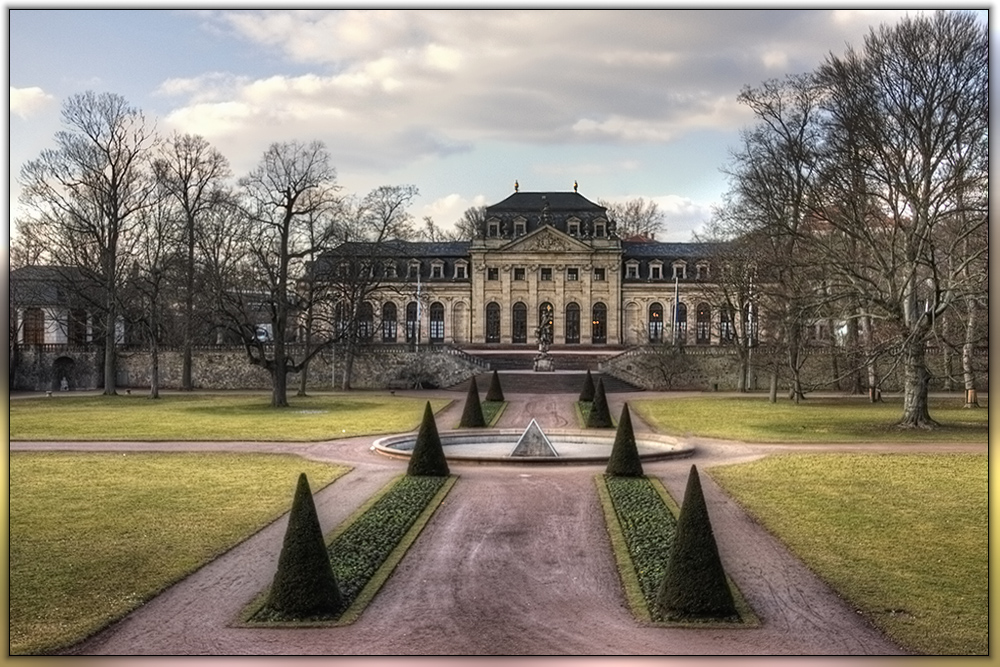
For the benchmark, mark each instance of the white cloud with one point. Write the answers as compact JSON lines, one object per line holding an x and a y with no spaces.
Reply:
{"x":26,"y":102}
{"x":448,"y":210}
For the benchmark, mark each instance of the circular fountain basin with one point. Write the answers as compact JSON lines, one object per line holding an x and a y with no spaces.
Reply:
{"x":572,"y":446}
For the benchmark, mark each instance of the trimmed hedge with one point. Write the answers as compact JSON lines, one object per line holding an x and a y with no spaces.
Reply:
{"x":587,"y":393}
{"x":427,"y":457}
{"x":695,"y":586}
{"x":600,"y":415}
{"x":495,"y":392}
{"x":304,"y":585}
{"x":624,"y":460}
{"x":472,"y":414}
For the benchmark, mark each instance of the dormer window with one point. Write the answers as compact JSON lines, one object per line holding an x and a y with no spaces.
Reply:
{"x":656,"y":270}
{"x":702,"y":269}
{"x":493,"y":228}
{"x":390,"y":269}
{"x":413,"y":270}
{"x":461,"y":270}
{"x":520,"y":227}
{"x":600,"y":229}
{"x":632,"y":269}
{"x":680,"y":271}
{"x":437,"y":269}
{"x":573,"y":226}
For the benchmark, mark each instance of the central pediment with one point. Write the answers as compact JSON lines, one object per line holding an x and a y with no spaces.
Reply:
{"x":546,"y":239}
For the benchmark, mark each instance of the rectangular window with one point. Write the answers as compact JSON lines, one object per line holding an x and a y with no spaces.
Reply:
{"x":494,"y":229}
{"x":632,"y":271}
{"x":680,"y":271}
{"x":437,"y":271}
{"x":599,"y":229}
{"x":572,"y":274}
{"x":574,"y":229}
{"x":655,"y":272}
{"x":519,"y":273}
{"x":460,"y":271}
{"x":519,"y":228}
{"x":493,"y":273}
{"x":546,"y":273}
{"x":599,"y":274}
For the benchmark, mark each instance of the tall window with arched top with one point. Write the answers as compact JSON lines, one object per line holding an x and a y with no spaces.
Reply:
{"x":655,"y":322}
{"x":726,"y":330}
{"x":519,"y":323}
{"x":437,"y":322}
{"x":412,"y":324}
{"x":493,"y":322}
{"x":34,"y":326}
{"x":681,"y":324}
{"x":703,"y":325}
{"x":389,"y":322}
{"x":572,"y":324}
{"x":366,"y":322}
{"x":599,"y":324}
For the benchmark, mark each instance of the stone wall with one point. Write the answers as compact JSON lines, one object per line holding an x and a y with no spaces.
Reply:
{"x":40,"y":368}
{"x":717,"y":369}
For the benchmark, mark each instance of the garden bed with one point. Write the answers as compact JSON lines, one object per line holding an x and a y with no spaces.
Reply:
{"x":641,"y":519}
{"x":492,"y":411}
{"x":365,"y":548}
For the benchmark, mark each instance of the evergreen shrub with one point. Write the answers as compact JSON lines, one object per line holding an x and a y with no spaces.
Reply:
{"x":624,"y":460}
{"x":304,"y":585}
{"x":600,"y":415}
{"x":472,"y":414}
{"x":694,"y":585}
{"x":427,"y":458}
{"x":587,"y":393}
{"x":495,"y":392}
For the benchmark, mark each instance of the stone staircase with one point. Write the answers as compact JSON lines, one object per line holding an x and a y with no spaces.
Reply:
{"x":529,"y":382}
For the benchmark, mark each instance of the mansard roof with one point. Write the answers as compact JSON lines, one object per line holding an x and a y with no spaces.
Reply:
{"x":534,"y":201}
{"x":669,"y":251}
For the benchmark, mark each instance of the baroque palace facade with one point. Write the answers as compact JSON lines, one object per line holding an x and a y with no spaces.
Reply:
{"x":545,"y":258}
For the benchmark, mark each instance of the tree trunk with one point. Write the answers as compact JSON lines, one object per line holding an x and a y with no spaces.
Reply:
{"x":349,"y":353}
{"x":154,"y":371}
{"x":917,"y":377}
{"x":968,"y":370}
{"x":187,"y":384}
{"x":303,"y":380}
{"x":773,"y":392}
{"x":110,"y":379}
{"x":279,"y":374}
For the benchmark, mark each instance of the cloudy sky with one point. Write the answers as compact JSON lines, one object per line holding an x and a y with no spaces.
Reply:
{"x":459,"y":103}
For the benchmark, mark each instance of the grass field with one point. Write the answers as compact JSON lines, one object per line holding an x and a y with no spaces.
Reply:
{"x":904,"y":537}
{"x":213,"y":417}
{"x":92,"y":536}
{"x":818,"y":420}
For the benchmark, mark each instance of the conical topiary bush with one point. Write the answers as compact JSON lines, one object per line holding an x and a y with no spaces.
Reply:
{"x":624,"y":460}
{"x":304,"y":585}
{"x":495,"y":392}
{"x":427,"y":459}
{"x":472,"y":415}
{"x":694,"y":585}
{"x":587,"y":393}
{"x":600,"y":416}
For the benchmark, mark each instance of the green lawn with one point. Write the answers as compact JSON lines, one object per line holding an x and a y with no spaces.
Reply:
{"x":818,"y":420}
{"x":92,"y":536}
{"x":213,"y":417}
{"x":904,"y":537}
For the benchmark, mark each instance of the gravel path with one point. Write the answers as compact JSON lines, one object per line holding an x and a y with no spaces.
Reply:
{"x":516,"y":561}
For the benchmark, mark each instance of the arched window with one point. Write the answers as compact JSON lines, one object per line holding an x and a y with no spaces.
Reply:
{"x":703,"y":325}
{"x":599,"y":324}
{"x":366,"y":322}
{"x":572,"y":324}
{"x":519,"y":323}
{"x":493,"y":322}
{"x":681,"y":324}
{"x":412,"y":324}
{"x":655,"y":322}
{"x":437,"y":322}
{"x":34,"y":326}
{"x":389,"y":322}
{"x":726,"y":331}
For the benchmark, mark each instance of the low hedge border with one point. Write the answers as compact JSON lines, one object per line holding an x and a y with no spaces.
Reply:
{"x":389,"y":553}
{"x":492,"y":411}
{"x":625,"y":558}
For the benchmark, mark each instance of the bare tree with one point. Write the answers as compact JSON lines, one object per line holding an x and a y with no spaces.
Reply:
{"x":84,"y":197}
{"x":909,"y":114}
{"x":292,"y":186}
{"x":636,"y":217}
{"x":193,"y":174}
{"x":470,"y":225}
